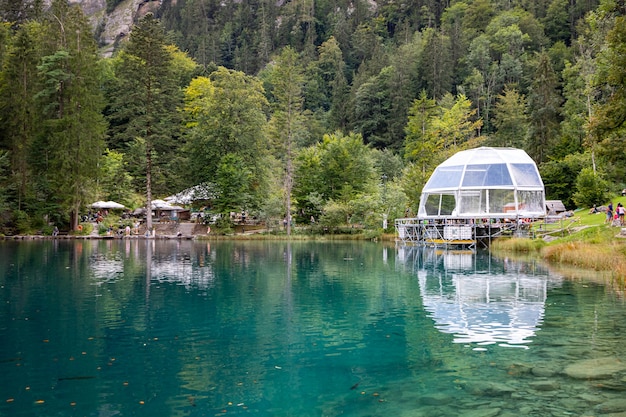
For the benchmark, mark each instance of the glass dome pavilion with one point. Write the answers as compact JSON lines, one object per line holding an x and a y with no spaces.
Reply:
{"x":484,"y":183}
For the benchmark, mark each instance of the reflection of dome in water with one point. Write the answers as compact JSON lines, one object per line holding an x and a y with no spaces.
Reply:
{"x":485,"y":307}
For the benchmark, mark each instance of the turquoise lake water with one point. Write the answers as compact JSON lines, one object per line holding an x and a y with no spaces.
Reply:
{"x":182,"y":328}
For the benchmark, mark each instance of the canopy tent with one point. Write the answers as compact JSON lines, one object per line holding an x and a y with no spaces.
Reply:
{"x":484,"y":183}
{"x":163,"y":205}
{"x":159,"y":206}
{"x":107,"y":205}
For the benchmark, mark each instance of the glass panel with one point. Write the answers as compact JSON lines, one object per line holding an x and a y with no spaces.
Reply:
{"x":486,"y":175}
{"x":531,"y":201}
{"x":444,"y":177}
{"x":448,"y":203}
{"x":471,"y":202}
{"x":431,"y":205}
{"x":499,"y":199}
{"x":526,"y":174}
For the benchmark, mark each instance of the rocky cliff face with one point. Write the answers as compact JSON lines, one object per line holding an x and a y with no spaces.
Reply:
{"x":111,"y":28}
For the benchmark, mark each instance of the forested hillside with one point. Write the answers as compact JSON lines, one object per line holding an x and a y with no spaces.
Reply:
{"x":338,"y":110}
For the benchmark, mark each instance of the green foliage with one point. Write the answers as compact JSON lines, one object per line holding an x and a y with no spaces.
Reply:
{"x":373,"y":105}
{"x":114,"y":181}
{"x":272,"y":208}
{"x":335,"y":214}
{"x":591,"y":189}
{"x":435,"y":132}
{"x":388,"y":163}
{"x":417,"y":145}
{"x":488,"y":73}
{"x":235,"y":185}
{"x":545,"y":103}
{"x":225,"y":115}
{"x":611,"y":115}
{"x":436,"y":66}
{"x":144,"y":105}
{"x":73,"y":128}
{"x":510,"y":120}
{"x":22,"y":222}
{"x":338,"y":169}
{"x":560,"y":177}
{"x":4,"y":197}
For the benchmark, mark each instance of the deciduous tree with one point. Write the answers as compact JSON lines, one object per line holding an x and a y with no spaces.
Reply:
{"x":287,"y":122}
{"x":225,"y":116}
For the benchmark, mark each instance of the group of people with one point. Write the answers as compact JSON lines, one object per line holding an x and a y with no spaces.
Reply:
{"x":615,"y":217}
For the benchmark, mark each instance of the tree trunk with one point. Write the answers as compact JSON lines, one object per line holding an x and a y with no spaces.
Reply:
{"x":148,"y":189}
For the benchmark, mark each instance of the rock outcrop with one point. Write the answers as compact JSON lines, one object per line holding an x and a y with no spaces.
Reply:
{"x":112,"y":28}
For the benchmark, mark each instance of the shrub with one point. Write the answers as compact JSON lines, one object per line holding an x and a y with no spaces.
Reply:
{"x":590,"y":189}
{"x":22,"y":222}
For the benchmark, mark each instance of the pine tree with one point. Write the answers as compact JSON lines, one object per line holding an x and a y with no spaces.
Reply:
{"x":544,"y":101}
{"x":71,"y":145}
{"x":145,"y":107}
{"x":19,"y":118}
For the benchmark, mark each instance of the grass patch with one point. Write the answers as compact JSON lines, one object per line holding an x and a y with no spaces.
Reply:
{"x":518,"y":245}
{"x":583,"y":241}
{"x":607,"y":256}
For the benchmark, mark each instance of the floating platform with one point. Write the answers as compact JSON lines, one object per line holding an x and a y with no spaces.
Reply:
{"x":455,"y":232}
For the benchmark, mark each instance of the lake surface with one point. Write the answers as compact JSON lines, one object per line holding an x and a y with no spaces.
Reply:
{"x":182,"y":328}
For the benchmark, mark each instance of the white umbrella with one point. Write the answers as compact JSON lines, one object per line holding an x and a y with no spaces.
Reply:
{"x":165,"y":206}
{"x":107,"y":205}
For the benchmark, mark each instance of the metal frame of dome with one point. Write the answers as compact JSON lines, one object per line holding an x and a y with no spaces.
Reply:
{"x":484,"y":183}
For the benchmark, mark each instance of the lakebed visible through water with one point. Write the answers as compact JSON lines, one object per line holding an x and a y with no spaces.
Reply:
{"x":187,"y":328}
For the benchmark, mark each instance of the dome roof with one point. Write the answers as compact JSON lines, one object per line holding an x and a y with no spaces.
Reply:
{"x":486,"y":167}
{"x":485,"y":182}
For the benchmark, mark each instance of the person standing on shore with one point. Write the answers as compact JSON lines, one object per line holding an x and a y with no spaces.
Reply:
{"x":609,"y":214}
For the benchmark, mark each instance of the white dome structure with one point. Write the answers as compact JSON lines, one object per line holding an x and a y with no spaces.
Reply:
{"x":484,"y":183}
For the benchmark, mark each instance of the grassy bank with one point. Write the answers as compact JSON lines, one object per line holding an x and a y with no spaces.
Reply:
{"x":584,"y":241}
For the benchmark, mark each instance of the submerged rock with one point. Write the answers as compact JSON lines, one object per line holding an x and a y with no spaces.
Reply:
{"x":492,"y":389}
{"x":543,"y":371}
{"x":545,"y":385}
{"x":595,"y":368}
{"x":617,"y":405}
{"x":481,"y":412}
{"x":436,"y":399}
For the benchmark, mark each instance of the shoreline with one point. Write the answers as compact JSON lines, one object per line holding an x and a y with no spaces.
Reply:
{"x":90,"y":237}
